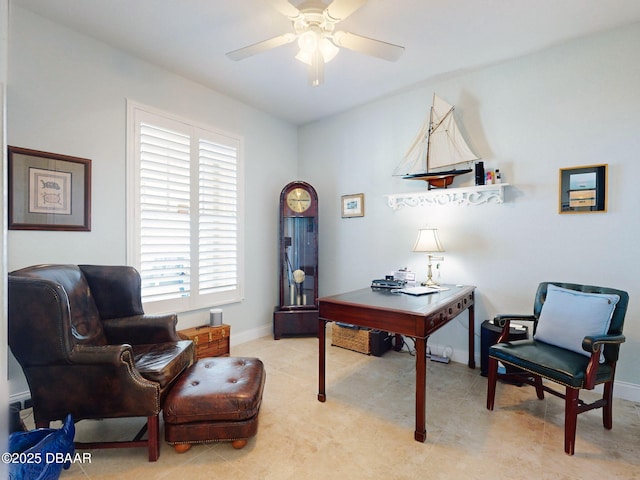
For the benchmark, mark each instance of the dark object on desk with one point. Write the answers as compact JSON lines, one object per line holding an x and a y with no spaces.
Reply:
{"x":489,"y":334}
{"x":384,"y":283}
{"x":589,"y":359}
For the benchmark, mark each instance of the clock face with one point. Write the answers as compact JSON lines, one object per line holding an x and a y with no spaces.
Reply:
{"x":298,"y":200}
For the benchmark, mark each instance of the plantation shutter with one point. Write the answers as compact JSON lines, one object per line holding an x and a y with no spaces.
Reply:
{"x":218,"y":218}
{"x":184,"y":201}
{"x":165,"y":258}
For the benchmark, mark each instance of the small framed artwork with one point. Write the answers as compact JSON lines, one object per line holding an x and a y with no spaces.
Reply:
{"x":48,"y":191}
{"x":353,"y":205}
{"x":583,"y":189}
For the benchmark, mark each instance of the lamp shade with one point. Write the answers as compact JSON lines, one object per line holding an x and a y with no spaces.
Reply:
{"x":428,"y":241}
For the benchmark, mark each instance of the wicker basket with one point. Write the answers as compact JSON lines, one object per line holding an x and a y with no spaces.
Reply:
{"x":356,"y":339}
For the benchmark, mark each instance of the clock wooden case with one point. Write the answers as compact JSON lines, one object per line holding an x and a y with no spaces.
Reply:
{"x":297,"y":310}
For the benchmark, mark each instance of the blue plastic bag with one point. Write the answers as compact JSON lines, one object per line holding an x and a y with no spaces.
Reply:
{"x":41,"y":454}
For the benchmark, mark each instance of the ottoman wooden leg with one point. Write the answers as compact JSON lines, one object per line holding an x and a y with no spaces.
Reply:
{"x":182,"y":447}
{"x":238,"y":444}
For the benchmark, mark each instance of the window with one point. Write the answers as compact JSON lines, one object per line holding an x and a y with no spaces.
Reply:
{"x":184,"y":211}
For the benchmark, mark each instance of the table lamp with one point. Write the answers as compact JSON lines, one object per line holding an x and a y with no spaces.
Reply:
{"x":429,"y":242}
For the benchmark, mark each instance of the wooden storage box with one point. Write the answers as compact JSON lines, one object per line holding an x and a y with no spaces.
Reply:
{"x":356,"y":339}
{"x":209,"y":341}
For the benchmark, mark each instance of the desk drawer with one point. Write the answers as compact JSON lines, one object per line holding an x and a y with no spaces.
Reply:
{"x":450,"y":311}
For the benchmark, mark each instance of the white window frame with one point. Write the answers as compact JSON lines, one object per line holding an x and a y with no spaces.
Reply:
{"x":137,"y":113}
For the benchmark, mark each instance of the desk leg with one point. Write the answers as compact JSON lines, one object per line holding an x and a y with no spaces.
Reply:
{"x":472,"y":354}
{"x":421,"y":382}
{"x":321,"y":359}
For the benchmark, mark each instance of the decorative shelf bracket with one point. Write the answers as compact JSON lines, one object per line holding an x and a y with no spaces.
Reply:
{"x":463,"y":196}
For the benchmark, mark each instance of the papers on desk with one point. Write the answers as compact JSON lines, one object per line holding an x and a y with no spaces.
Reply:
{"x":421,"y":290}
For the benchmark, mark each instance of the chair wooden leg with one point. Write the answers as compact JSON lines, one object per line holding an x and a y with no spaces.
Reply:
{"x":570,"y":420}
{"x":492,"y":378}
{"x":607,"y":409}
{"x":538,"y":384}
{"x":153,"y":432}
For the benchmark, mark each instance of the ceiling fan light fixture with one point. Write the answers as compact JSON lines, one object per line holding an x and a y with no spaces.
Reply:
{"x":316,"y":69}
{"x":314,"y":23}
{"x":327,"y":49}
{"x":310,"y":43}
{"x":304,"y":57}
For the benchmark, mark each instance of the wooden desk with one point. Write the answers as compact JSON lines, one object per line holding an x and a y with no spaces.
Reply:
{"x":417,"y":317}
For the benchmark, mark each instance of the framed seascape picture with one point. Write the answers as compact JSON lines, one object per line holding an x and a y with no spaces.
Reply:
{"x":353,"y":205}
{"x":48,"y":191}
{"x":583,"y":189}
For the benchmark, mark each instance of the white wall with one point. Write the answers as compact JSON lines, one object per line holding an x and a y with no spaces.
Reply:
{"x":575,"y":104}
{"x":67,"y":94}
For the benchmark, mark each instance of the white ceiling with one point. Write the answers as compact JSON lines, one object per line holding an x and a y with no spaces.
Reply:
{"x":191,"y":37}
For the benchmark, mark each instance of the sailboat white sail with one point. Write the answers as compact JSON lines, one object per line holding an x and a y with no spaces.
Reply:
{"x":439,"y":144}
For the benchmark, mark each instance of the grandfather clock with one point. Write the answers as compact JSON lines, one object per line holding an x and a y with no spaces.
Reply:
{"x":297,"y":310}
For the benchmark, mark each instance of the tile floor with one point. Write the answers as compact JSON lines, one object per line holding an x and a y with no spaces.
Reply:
{"x":365,"y":428}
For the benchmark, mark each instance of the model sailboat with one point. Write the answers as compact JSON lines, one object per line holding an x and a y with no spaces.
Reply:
{"x":437,"y":150}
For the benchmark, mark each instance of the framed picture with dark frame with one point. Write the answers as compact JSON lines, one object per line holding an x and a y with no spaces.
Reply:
{"x":353,"y":205}
{"x":583,"y":189}
{"x":48,"y":191}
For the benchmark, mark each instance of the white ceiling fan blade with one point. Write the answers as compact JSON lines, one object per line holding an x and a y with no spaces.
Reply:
{"x":285,"y":8}
{"x":368,"y":46}
{"x":341,"y":9}
{"x":261,"y":46}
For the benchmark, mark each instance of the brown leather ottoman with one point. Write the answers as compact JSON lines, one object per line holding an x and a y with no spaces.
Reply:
{"x":216,"y":399}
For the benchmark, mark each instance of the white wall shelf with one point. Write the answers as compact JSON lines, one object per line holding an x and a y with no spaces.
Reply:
{"x":463,"y":196}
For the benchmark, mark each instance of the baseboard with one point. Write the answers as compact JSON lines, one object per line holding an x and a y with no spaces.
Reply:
{"x":253,"y":334}
{"x":626,"y":391}
{"x":20,"y":397}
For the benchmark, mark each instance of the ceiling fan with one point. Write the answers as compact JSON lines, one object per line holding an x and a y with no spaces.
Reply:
{"x":314,"y":25}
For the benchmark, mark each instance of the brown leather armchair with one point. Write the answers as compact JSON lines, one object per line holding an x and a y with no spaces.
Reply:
{"x":87,"y":348}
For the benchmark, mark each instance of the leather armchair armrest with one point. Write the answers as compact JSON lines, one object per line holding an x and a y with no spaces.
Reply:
{"x":115,"y":355}
{"x":504,"y":322}
{"x":142,"y":329}
{"x":101,"y":382}
{"x":593,"y":344}
{"x":503,"y":318}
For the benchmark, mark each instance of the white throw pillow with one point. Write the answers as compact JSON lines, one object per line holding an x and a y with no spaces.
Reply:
{"x":567,"y":316}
